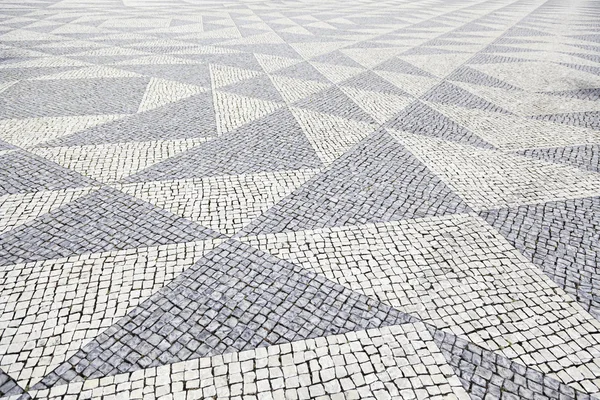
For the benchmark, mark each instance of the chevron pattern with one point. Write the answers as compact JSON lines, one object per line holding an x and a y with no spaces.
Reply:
{"x":300,"y":199}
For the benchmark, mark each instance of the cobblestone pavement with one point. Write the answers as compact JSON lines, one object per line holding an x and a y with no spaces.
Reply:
{"x":300,"y":199}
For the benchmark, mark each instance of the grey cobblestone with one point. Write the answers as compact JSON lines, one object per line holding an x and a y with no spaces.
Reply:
{"x":486,"y":375}
{"x":236,"y":298}
{"x":563,"y":239}
{"x":198,"y":198}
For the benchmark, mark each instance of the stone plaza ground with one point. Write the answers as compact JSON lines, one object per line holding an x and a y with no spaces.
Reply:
{"x":300,"y":199}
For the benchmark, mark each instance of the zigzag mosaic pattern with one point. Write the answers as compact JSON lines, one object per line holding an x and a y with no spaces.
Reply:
{"x":299,"y":199}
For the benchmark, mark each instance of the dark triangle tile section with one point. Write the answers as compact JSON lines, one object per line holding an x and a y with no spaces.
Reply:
{"x":6,"y":146}
{"x":304,"y":71}
{"x":592,"y":94}
{"x":260,"y":87}
{"x":447,"y":93}
{"x":193,"y":74}
{"x":588,"y":119}
{"x":273,"y":143}
{"x":585,"y":156}
{"x":70,"y":97}
{"x":281,"y":50}
{"x":377,"y":181}
{"x":499,"y":49}
{"x":337,"y":58}
{"x":235,"y":298}
{"x":334,"y":101}
{"x":562,"y":238}
{"x":372,"y":82}
{"x":8,"y":386}
{"x":180,"y":22}
{"x":16,"y":74}
{"x":421,"y":119}
{"x":470,"y":75}
{"x":483,"y":58}
{"x":426,"y":50}
{"x":185,"y":119}
{"x":522,"y":31}
{"x":238,"y":60}
{"x":487,"y":375}
{"x":104,"y":220}
{"x":22,"y":172}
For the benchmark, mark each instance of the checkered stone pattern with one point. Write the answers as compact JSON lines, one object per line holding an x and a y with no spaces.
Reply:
{"x":380,"y":200}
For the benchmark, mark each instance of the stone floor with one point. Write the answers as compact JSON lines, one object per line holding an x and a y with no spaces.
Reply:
{"x":256,"y":199}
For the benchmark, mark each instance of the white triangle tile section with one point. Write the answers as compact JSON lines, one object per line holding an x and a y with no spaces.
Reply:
{"x":94,"y":72}
{"x":225,"y":33}
{"x":233,"y":111}
{"x":412,"y":84}
{"x":550,"y":57}
{"x":283,"y":21}
{"x":160,"y":92}
{"x":540,"y":76}
{"x":439,"y":65}
{"x":298,"y":30}
{"x":381,"y":106}
{"x":342,"y":21}
{"x":124,"y":36}
{"x":46,"y":62}
{"x":27,"y":35}
{"x":204,"y":50}
{"x":111,"y":51}
{"x":222,"y":75}
{"x":69,"y":29}
{"x":30,"y":132}
{"x":554,"y":46}
{"x":337,"y":73}
{"x":188,"y":28}
{"x":158,"y":59}
{"x":310,"y":50}
{"x":458,"y":48}
{"x":264,"y":38}
{"x":400,"y":361}
{"x":508,"y":132}
{"x":136,"y":23}
{"x":369,"y":58}
{"x":223,"y":203}
{"x":528,"y":103}
{"x":500,"y":301}
{"x":293,"y":89}
{"x":488,"y":179}
{"x":24,"y":53}
{"x":331,"y":136}
{"x":112,"y":162}
{"x":109,"y":284}
{"x":271,"y":63}
{"x":322,"y":25}
{"x":79,"y":45}
{"x":18,"y":209}
{"x":6,"y":85}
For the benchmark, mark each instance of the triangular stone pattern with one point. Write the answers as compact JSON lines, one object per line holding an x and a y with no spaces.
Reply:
{"x":377,"y":181}
{"x":101,"y":221}
{"x":234,"y":299}
{"x":300,"y":199}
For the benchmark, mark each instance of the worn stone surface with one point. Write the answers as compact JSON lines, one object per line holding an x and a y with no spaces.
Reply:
{"x":375,"y":200}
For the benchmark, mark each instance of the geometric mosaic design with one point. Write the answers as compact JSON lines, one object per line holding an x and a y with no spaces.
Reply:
{"x":250,"y":199}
